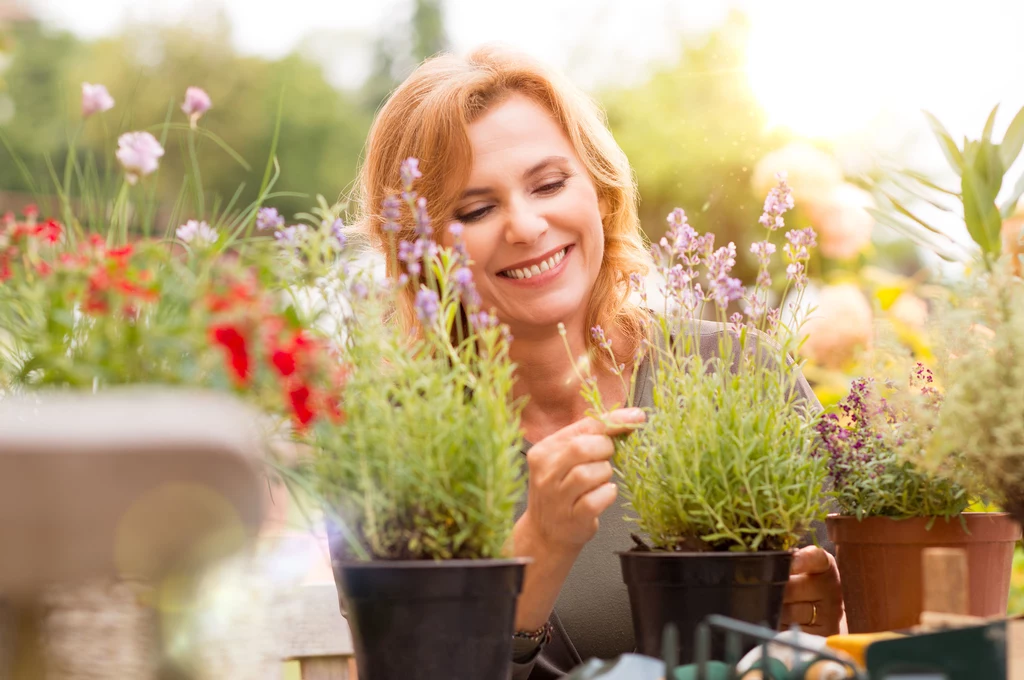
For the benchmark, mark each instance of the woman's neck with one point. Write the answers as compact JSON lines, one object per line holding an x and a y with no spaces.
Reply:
{"x":545,"y":374}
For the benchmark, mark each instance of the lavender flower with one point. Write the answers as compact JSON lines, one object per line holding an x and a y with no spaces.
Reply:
{"x":410,"y":172}
{"x":427,"y":305}
{"x":291,"y":235}
{"x":483,"y":320}
{"x":455,"y":229}
{"x":392,"y":213}
{"x":725,"y":290}
{"x":763,"y":251}
{"x":139,"y":154}
{"x":800,"y":243}
{"x":597,"y":333}
{"x":779,"y":200}
{"x":268,"y":218}
{"x":338,"y":231}
{"x":197,"y":102}
{"x":196,"y":233}
{"x":721,"y":262}
{"x":796,"y":274}
{"x":422,"y":217}
{"x":95,"y":99}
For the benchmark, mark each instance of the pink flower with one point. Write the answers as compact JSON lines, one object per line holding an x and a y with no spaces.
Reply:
{"x":841,"y":325}
{"x":842,"y":221}
{"x":138,"y":153}
{"x":197,"y":102}
{"x":95,"y":99}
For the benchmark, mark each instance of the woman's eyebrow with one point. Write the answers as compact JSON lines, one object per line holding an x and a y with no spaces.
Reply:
{"x":536,"y":168}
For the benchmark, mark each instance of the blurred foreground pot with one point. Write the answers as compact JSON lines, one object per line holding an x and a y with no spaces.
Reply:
{"x":880,"y":563}
{"x":104,"y":497}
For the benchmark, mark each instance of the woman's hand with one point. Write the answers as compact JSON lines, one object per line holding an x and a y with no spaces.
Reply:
{"x":569,"y":487}
{"x":814,"y":597}
{"x":570,"y":479}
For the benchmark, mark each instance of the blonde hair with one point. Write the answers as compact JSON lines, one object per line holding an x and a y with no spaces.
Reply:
{"x":427,"y":117}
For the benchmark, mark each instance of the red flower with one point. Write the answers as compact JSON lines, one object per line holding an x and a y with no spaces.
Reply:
{"x":9,"y":218}
{"x":299,"y":397}
{"x":96,"y":295}
{"x":284,"y":362}
{"x":30,"y":211}
{"x":43,"y":268}
{"x":122,"y":253}
{"x":5,"y":269}
{"x":50,"y":231}
{"x":233,"y":341}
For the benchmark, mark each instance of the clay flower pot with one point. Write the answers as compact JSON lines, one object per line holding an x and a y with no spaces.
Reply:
{"x":880,"y":562}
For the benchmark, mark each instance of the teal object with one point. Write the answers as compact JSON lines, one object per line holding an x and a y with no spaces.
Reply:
{"x":713,"y":670}
{"x":975,"y":653}
{"x":626,"y":667}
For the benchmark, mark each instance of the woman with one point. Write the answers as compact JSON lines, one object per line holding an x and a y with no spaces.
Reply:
{"x":525,"y":162}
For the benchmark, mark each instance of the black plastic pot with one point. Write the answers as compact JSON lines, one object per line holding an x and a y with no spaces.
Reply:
{"x":683,"y":588}
{"x":426,"y":619}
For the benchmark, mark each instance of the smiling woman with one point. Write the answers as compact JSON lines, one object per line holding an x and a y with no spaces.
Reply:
{"x":547,"y":206}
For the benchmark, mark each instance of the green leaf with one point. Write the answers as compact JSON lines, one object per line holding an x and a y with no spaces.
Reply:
{"x":949,"y":148}
{"x":980,"y":212}
{"x":1010,"y":205}
{"x":986,"y":134}
{"x":900,"y":208}
{"x":920,"y":236}
{"x":1013,"y":140}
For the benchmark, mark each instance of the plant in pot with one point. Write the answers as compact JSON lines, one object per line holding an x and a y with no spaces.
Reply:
{"x":893,"y":505}
{"x":421,"y":477}
{"x":723,"y":477}
{"x":981,"y":418}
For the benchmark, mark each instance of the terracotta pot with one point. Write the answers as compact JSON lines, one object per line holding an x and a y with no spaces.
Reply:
{"x":880,"y":562}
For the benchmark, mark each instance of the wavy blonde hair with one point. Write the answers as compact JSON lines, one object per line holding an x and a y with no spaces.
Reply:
{"x":427,"y":117}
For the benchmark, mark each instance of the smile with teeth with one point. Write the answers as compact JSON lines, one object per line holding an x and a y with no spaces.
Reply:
{"x":528,"y":272}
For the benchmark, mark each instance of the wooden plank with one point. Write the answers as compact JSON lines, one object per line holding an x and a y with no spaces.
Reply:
{"x":310,"y":624}
{"x":945,"y":580}
{"x":326,"y":668}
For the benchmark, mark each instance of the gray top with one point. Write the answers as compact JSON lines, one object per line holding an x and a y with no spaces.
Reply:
{"x":592,"y":617}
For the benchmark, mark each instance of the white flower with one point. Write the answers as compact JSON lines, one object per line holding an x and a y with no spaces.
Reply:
{"x":197,"y":233}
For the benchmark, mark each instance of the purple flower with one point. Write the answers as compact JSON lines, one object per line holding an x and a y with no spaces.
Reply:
{"x":290,"y":235}
{"x":597,"y":333}
{"x":197,"y":233}
{"x":455,"y":229}
{"x":800,"y":242}
{"x":422,"y":217}
{"x":392,"y":213}
{"x":483,"y":320}
{"x":359,"y":290}
{"x":95,"y":99}
{"x":197,"y":102}
{"x":268,"y":218}
{"x":779,"y":200}
{"x":721,"y":262}
{"x":724,"y":290}
{"x":463,"y":277}
{"x":795,"y":273}
{"x":338,"y":231}
{"x":139,"y":154}
{"x":410,"y":172}
{"x":427,"y":305}
{"x":763,"y":250}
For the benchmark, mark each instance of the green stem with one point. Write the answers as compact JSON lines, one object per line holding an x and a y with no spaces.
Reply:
{"x":197,"y":175}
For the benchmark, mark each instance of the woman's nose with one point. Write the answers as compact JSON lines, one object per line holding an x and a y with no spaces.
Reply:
{"x":524,"y":225}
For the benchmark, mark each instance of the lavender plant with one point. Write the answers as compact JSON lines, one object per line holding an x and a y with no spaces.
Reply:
{"x":426,"y":463}
{"x":726,"y":459}
{"x":876,"y":443}
{"x":981,"y":415}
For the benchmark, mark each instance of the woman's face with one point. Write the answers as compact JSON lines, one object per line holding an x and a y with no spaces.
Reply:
{"x":531,"y":218}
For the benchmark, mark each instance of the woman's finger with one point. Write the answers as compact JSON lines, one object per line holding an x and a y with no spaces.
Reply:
{"x":810,"y":560}
{"x":584,"y":478}
{"x":807,"y":588}
{"x":590,"y":505}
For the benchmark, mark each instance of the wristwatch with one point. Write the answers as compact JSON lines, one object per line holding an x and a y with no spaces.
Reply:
{"x":526,"y":644}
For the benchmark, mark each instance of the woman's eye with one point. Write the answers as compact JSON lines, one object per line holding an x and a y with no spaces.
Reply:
{"x":551,"y":187}
{"x":475,"y":215}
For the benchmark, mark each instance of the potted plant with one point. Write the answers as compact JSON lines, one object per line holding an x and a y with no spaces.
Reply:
{"x":892,"y":506}
{"x":981,"y":414}
{"x":723,"y":478}
{"x":421,"y":477}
